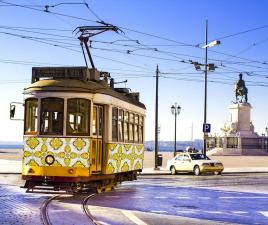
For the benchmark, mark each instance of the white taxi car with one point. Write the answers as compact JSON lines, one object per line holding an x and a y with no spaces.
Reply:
{"x":194,"y":162}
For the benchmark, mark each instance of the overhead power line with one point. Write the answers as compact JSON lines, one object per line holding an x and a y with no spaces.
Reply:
{"x":31,"y":63}
{"x":36,"y":28}
{"x":89,"y":20}
{"x":242,"y":32}
{"x":138,"y":46}
{"x":36,"y":32}
{"x":40,"y":10}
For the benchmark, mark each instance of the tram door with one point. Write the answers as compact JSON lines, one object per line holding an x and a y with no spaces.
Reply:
{"x":96,"y":142}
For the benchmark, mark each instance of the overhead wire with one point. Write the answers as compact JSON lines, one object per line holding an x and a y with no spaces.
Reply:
{"x":45,"y":42}
{"x":89,"y":20}
{"x":143,"y":33}
{"x":40,"y":10}
{"x":36,"y":32}
{"x":74,"y":17}
{"x":40,"y":41}
{"x":36,"y":28}
{"x":242,"y":32}
{"x":32,"y":63}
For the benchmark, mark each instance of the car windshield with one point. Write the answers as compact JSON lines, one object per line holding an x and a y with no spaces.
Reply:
{"x":199,"y":157}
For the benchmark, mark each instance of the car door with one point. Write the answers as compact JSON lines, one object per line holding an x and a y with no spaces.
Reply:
{"x":187,"y":163}
{"x":178,"y":162}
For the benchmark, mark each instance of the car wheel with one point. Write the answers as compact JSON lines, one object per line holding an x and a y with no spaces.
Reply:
{"x":173,"y":170}
{"x":197,"y":171}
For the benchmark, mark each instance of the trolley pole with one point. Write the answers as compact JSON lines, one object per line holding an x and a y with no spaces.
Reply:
{"x":156,"y":118}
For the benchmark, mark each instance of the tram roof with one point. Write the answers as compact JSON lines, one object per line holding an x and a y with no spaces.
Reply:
{"x":73,"y":85}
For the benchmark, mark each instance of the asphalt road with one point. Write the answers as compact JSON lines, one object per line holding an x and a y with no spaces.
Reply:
{"x":180,"y":199}
{"x":233,"y":199}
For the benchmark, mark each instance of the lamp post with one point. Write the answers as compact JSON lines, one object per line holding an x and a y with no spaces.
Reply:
{"x":265,"y":139}
{"x":211,"y":44}
{"x":175,"y":110}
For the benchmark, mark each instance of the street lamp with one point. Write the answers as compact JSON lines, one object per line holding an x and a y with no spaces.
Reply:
{"x":206,"y":46}
{"x":175,"y":110}
{"x":266,"y":129}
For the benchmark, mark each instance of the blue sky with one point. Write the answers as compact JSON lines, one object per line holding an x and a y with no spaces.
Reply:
{"x":177,"y":22}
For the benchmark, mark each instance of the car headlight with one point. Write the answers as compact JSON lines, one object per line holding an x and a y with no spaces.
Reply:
{"x":49,"y":159}
{"x":205,"y":164}
{"x":218,"y":164}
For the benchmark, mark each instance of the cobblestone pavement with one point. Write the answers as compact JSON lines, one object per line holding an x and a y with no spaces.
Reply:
{"x":18,"y":207}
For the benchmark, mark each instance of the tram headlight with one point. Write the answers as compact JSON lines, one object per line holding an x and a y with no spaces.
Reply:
{"x":49,"y":159}
{"x":71,"y":171}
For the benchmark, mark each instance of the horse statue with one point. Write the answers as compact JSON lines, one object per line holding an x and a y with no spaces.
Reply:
{"x":241,"y":90}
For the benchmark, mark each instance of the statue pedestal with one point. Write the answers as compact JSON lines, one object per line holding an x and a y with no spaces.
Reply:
{"x":239,"y":120}
{"x":239,"y":123}
{"x":238,"y":131}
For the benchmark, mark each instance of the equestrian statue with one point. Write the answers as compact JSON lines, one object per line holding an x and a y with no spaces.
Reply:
{"x":241,"y":91}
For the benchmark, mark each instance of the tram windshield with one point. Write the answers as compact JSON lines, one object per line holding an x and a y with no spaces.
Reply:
{"x":51,"y":122}
{"x":78,"y":117}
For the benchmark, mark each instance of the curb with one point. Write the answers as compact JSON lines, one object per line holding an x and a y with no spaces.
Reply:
{"x":223,"y":173}
{"x":15,"y":173}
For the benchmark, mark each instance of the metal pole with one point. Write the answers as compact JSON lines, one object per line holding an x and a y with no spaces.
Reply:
{"x":81,"y":43}
{"x":156,"y":118}
{"x":205,"y":104}
{"x":89,"y":55}
{"x":192,"y":134}
{"x":175,"y":150}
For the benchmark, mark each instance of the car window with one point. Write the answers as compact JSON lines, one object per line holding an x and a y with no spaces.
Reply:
{"x":179,"y":157}
{"x":199,"y":157}
{"x":186,"y":157}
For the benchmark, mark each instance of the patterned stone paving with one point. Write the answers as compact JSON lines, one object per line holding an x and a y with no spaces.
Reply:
{"x":18,"y":207}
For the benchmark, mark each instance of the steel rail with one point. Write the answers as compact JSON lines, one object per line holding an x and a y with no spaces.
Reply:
{"x":87,"y":211}
{"x":44,"y":210}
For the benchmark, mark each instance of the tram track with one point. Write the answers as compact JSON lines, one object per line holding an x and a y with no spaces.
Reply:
{"x":44,"y":210}
{"x":46,"y":220}
{"x":87,"y":211}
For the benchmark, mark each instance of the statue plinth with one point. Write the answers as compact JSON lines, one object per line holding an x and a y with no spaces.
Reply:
{"x":238,"y":130}
{"x":239,"y":121}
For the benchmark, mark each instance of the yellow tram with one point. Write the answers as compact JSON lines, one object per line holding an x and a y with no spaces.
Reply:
{"x":79,"y":130}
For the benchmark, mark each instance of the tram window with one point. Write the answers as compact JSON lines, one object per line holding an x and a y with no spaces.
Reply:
{"x":51,"y":116}
{"x":30,"y":126}
{"x":115,"y":124}
{"x":126,"y":126}
{"x":141,"y":129}
{"x":94,"y":121}
{"x":120,"y":125}
{"x":136,"y":131}
{"x":100,"y":120}
{"x":131,"y":129}
{"x":78,"y":116}
{"x":97,"y":121}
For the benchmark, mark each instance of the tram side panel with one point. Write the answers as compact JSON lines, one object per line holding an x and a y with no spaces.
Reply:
{"x":121,"y":157}
{"x":68,"y":157}
{"x":124,"y":157}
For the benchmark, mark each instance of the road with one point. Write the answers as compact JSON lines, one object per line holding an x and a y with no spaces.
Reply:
{"x":165,"y":199}
{"x":239,"y":199}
